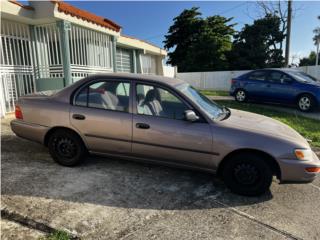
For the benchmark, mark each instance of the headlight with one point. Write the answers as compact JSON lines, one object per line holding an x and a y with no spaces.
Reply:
{"x":303,"y":154}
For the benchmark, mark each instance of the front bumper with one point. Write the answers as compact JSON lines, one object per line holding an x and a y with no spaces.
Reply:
{"x":293,"y":170}
{"x":30,"y":131}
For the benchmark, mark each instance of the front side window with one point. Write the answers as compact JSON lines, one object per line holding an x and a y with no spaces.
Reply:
{"x":279,"y":77}
{"x":159,"y":102}
{"x":212,"y":109}
{"x":105,"y":95}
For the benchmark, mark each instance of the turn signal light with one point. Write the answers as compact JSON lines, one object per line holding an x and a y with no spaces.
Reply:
{"x":313,"y":169}
{"x":18,"y":112}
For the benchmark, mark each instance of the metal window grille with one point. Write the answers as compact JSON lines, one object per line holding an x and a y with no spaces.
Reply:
{"x":149,"y":64}
{"x":16,"y":63}
{"x":90,"y":52}
{"x":124,"y":60}
{"x":48,"y":50}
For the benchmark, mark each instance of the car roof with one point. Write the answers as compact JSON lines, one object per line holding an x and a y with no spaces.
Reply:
{"x":279,"y":69}
{"x":64,"y":94}
{"x":134,"y":76}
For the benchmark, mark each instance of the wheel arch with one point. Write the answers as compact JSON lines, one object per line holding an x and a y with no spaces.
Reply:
{"x":54,"y":129}
{"x":270,"y":160}
{"x":305,"y":93}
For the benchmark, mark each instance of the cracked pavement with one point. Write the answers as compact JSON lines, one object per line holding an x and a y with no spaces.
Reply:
{"x":116,"y":199}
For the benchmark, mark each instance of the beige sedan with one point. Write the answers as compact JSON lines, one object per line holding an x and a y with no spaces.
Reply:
{"x":166,"y":121}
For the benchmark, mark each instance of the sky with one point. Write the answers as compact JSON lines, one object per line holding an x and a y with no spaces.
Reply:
{"x":151,"y":20}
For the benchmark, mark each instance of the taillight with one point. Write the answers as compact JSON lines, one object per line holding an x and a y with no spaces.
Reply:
{"x":18,"y":112}
{"x":233,"y":81}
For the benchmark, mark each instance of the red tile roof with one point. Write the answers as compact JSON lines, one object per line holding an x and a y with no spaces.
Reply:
{"x":87,"y":16}
{"x":21,"y":5}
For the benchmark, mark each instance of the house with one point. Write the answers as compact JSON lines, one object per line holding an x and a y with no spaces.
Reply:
{"x":50,"y":44}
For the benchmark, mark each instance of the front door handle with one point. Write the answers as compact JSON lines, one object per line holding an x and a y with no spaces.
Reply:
{"x":78,"y":117}
{"x":142,"y":125}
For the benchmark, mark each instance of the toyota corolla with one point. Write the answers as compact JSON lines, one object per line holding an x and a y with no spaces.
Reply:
{"x":164,"y":120}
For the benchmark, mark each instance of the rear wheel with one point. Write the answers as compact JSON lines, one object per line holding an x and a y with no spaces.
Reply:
{"x":306,"y":103}
{"x":66,"y":148}
{"x":240,"y":95}
{"x":247,"y":174}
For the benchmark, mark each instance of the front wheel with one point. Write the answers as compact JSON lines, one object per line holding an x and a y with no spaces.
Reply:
{"x":247,"y":174}
{"x":306,"y":103}
{"x":66,"y":148}
{"x":240,"y":95}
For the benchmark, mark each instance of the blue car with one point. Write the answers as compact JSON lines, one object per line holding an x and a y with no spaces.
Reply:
{"x":285,"y":86}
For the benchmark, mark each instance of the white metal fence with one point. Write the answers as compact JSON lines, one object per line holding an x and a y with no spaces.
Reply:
{"x":221,"y":80}
{"x":16,"y":74}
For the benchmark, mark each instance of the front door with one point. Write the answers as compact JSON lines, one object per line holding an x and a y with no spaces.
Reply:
{"x":101,"y":113}
{"x":280,"y":87}
{"x":160,"y":131}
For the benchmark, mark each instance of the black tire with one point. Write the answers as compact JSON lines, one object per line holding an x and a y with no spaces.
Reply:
{"x":306,"y":103}
{"x":240,"y":95}
{"x":66,"y":148}
{"x":247,"y":174}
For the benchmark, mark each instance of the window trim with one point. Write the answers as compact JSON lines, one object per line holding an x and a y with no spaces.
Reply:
{"x":85,"y":85}
{"x":171,"y":90}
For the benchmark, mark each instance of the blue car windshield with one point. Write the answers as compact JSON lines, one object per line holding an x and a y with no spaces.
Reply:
{"x":303,"y":77}
{"x":212,"y":109}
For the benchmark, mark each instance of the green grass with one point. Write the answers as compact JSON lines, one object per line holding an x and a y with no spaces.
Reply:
{"x":57,"y":235}
{"x":309,"y":128}
{"x":214,"y":93}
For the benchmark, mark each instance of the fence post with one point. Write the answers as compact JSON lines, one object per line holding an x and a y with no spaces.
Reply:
{"x":64,"y":28}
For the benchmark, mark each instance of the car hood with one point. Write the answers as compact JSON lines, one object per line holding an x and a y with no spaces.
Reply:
{"x":263,"y":125}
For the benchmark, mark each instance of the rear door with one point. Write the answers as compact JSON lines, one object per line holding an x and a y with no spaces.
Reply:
{"x":101,"y":112}
{"x":255,"y":84}
{"x":160,"y":131}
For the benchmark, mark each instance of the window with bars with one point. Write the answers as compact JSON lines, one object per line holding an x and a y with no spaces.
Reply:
{"x":149,"y":64}
{"x":124,"y":60}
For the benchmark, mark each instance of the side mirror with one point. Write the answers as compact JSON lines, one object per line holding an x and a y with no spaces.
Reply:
{"x":191,"y":116}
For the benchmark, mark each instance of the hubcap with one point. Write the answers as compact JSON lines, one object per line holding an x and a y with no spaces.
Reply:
{"x":65,"y":147}
{"x":240,"y":96}
{"x":246,"y":173}
{"x":304,"y":103}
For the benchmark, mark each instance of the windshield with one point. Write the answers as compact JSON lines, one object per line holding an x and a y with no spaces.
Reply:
{"x":212,"y":109}
{"x":303,"y":77}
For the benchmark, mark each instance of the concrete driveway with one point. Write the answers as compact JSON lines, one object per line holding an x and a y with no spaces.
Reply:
{"x":116,"y":199}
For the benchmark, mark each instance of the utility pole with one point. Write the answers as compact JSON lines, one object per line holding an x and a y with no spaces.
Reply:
{"x":317,"y":56}
{"x":287,"y":53}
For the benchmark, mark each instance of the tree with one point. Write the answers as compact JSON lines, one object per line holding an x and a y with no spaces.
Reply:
{"x":316,"y":40}
{"x":308,"y":61}
{"x":258,"y":45}
{"x":199,"y":44}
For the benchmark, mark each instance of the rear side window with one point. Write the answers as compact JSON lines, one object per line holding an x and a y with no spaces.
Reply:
{"x":258,"y":75}
{"x":105,"y":95}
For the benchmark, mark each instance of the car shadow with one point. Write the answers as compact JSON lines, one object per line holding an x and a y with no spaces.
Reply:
{"x":28,"y":170}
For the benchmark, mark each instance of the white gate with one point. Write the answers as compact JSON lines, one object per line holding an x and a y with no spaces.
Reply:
{"x":16,"y":72}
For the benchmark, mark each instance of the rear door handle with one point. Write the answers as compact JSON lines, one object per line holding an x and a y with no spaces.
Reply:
{"x":78,"y":117}
{"x":142,"y":125}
